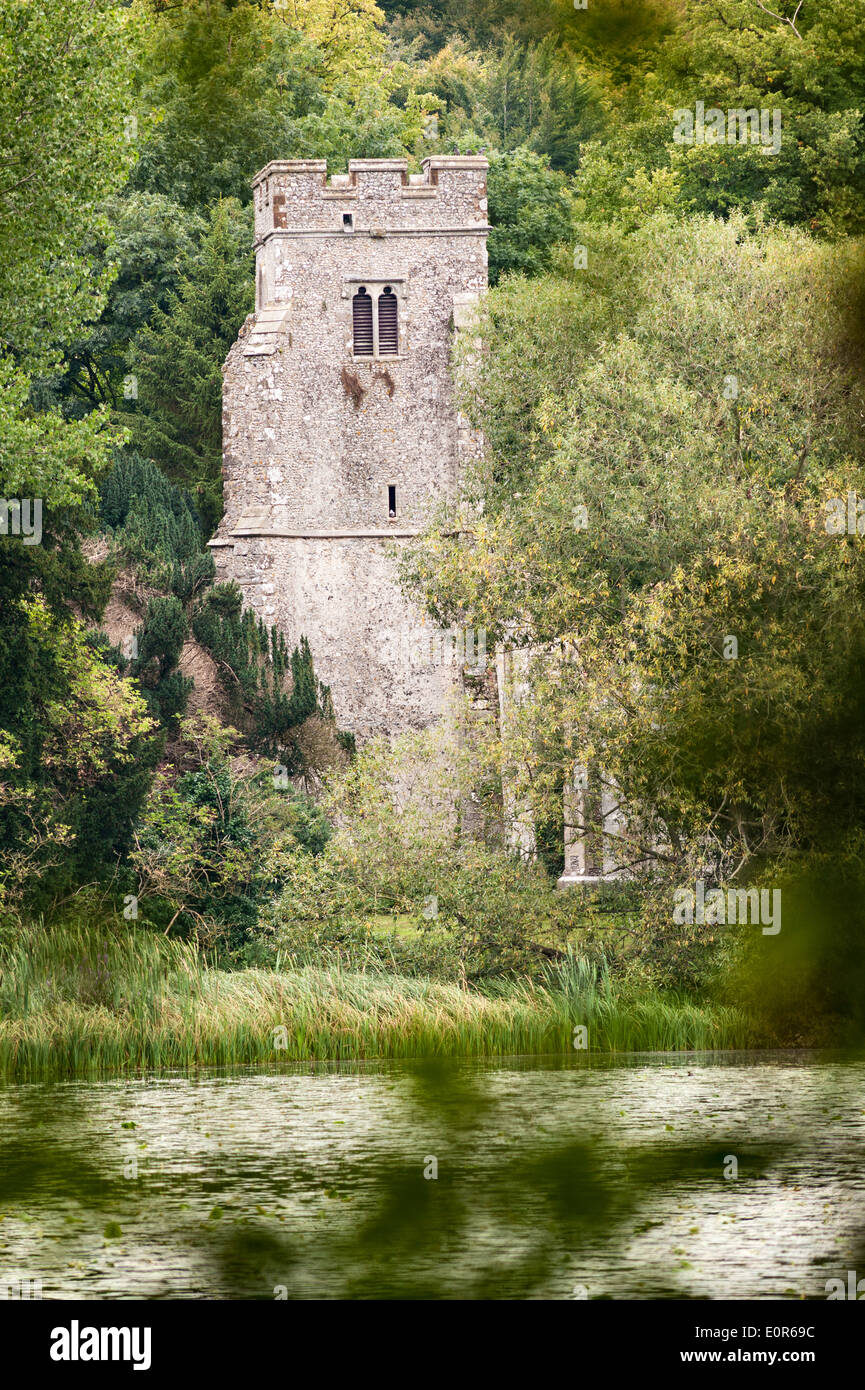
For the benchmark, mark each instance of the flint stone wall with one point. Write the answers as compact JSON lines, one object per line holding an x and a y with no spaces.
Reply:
{"x":314,"y":438}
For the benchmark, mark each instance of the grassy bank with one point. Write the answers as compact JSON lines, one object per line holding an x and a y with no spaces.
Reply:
{"x":75,"y":1001}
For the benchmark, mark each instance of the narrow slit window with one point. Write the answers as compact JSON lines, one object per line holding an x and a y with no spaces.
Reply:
{"x":391,"y":501}
{"x":348,"y":221}
{"x":388,"y":323}
{"x":362,"y":320}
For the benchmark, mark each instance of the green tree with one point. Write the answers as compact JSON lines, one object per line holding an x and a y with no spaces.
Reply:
{"x":76,"y":756}
{"x":227,"y":87}
{"x":155,"y":525}
{"x":160,"y":642}
{"x":75,"y":738}
{"x":530,"y":211}
{"x":177,"y":362}
{"x":661,"y":488}
{"x":221,"y":87}
{"x":65,"y":72}
{"x":150,"y":241}
{"x":212,"y":845}
{"x":272,"y":692}
{"x":742,"y":55}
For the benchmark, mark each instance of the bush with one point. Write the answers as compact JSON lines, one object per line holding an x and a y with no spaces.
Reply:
{"x":214,"y":843}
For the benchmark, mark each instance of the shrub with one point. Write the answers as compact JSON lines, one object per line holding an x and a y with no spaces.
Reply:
{"x":271,"y":691}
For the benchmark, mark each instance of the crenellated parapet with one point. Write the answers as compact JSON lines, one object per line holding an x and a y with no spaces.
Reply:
{"x":376,"y":196}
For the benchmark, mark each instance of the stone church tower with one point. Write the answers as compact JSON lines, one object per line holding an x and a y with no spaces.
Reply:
{"x":341,"y":436}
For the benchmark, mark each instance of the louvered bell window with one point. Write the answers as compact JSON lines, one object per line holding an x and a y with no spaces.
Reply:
{"x":388,"y":323}
{"x":362,"y":319}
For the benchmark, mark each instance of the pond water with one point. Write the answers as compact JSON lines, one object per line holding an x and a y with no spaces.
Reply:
{"x":709,"y":1176}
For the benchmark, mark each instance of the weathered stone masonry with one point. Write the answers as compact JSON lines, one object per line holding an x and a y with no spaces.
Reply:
{"x":315,"y":437}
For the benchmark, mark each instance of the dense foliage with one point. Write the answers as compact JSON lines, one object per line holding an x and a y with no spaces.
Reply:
{"x":671,"y":395}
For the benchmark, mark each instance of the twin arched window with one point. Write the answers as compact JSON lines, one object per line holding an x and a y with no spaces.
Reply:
{"x":375,"y":319}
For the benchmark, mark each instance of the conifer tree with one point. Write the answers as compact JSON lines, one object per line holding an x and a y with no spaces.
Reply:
{"x":160,"y":641}
{"x":177,"y":362}
{"x":272,"y":692}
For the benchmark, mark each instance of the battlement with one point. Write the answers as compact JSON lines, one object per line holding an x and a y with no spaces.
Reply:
{"x":375,"y":197}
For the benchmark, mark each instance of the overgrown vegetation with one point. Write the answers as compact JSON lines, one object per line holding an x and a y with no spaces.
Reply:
{"x":79,"y":1000}
{"x":274,"y":692}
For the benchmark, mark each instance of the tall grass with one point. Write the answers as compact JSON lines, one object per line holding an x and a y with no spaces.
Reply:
{"x":76,"y":1000}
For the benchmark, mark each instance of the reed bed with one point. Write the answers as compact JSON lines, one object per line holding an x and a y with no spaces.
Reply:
{"x":78,"y":1001}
